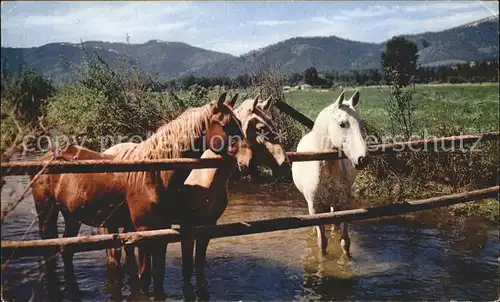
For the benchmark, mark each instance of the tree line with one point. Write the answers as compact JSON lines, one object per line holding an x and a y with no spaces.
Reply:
{"x":473,"y":72}
{"x":470,"y":72}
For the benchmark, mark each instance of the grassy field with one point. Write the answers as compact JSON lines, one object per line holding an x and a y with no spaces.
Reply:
{"x":473,"y":108}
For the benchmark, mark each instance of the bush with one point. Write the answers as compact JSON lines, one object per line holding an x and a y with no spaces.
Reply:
{"x":107,"y":103}
{"x":269,"y":83}
{"x":114,"y":104}
{"x":25,"y":93}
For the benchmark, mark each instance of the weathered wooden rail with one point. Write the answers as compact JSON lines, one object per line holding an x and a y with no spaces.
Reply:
{"x":98,"y":242}
{"x":101,"y":166}
{"x":88,"y":243}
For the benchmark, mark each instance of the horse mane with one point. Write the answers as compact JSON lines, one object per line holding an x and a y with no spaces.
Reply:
{"x":264,"y":116}
{"x":171,"y":139}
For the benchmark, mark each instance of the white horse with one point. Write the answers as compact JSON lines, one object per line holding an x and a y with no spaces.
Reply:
{"x":326,"y":185}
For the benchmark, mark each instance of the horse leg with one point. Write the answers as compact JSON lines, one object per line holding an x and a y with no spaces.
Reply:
{"x":200,"y":261}
{"x":130,"y":260}
{"x":158,"y":257}
{"x":321,"y":238}
{"x":113,"y":255}
{"x":345,"y":241}
{"x":47,"y":222}
{"x":144,"y":268}
{"x":187,"y":247}
{"x":71,"y":229}
{"x":335,"y":226}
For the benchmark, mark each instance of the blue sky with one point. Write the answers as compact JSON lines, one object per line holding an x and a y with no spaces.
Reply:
{"x":233,"y":27}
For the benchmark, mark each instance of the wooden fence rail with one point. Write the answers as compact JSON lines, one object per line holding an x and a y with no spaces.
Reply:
{"x":101,"y":166}
{"x":98,"y":242}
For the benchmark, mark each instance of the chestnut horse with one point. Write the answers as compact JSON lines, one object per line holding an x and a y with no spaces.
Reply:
{"x":212,"y":184}
{"x":206,"y":190}
{"x":137,"y":200}
{"x":114,"y":255}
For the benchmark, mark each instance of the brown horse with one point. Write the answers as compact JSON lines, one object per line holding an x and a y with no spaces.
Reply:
{"x":137,"y":200}
{"x":75,"y":152}
{"x":114,"y":255}
{"x":206,"y":190}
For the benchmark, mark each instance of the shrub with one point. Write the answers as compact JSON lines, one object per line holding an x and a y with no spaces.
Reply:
{"x":107,"y":102}
{"x":269,"y":83}
{"x":26,"y":93}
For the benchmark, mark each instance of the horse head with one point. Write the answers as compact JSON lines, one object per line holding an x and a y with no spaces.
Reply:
{"x":343,"y":125}
{"x":224,"y":133}
{"x":262,"y":133}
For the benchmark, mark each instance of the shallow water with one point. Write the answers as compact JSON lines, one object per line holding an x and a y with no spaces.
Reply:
{"x":412,"y":257}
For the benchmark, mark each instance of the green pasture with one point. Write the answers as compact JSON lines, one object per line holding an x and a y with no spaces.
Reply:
{"x":469,"y":108}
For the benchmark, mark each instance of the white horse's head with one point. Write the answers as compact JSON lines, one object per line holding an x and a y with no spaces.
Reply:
{"x":344,"y":129}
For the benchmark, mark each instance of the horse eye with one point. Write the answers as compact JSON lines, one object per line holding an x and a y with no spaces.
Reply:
{"x":234,"y":140}
{"x":343,"y":125}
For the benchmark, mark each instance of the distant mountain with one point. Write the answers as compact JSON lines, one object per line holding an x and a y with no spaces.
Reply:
{"x":297,"y":54}
{"x":168,"y":58}
{"x":470,"y":42}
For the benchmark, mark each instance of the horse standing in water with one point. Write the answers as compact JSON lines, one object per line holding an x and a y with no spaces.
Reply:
{"x":326,"y":185}
{"x":136,"y":200}
{"x":206,"y":190}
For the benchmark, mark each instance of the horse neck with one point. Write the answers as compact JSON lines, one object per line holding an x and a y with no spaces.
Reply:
{"x":177,"y":138}
{"x":181,"y":137}
{"x":321,"y":133}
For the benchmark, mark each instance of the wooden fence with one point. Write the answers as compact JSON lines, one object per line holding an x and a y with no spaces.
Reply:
{"x":95,"y":166}
{"x":97,"y":242}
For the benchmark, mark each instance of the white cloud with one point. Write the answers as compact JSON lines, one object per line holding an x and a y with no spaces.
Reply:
{"x":393,"y":10}
{"x":389,"y":20}
{"x":272,"y":22}
{"x":213,"y":25}
{"x":370,"y":11}
{"x":400,"y":25}
{"x":88,"y":21}
{"x":441,"y":6}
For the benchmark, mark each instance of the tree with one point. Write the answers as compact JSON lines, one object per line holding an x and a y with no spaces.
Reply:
{"x":26,"y":93}
{"x":311,"y":76}
{"x":188,"y":81}
{"x":399,"y":61}
{"x":294,"y":79}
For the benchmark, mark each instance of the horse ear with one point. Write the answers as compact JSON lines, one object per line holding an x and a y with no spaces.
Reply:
{"x":266,"y":104}
{"x":255,"y":102}
{"x":340,"y":99}
{"x":232,"y":101}
{"x":222,"y":99}
{"x":353,"y":101}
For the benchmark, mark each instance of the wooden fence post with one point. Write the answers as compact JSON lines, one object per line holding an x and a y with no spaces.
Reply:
{"x":295,"y":114}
